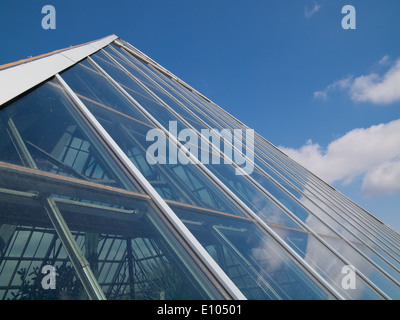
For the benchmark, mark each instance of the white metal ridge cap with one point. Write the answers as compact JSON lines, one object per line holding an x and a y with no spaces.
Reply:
{"x":24,"y":76}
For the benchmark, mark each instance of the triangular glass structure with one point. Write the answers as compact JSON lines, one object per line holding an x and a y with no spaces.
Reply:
{"x":120,"y":181}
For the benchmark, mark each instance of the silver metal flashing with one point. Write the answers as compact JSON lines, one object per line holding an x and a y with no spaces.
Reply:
{"x":15,"y":80}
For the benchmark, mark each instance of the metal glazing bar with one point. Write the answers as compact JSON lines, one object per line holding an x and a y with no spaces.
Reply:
{"x":286,"y":157}
{"x":322,"y":185}
{"x":264,"y":226}
{"x":339,"y":204}
{"x":80,"y":264}
{"x":20,"y":146}
{"x":256,"y":166}
{"x":229,"y":289}
{"x":79,"y":261}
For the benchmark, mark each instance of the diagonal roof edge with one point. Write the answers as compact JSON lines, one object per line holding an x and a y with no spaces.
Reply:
{"x":21,"y":76}
{"x":139,"y":54}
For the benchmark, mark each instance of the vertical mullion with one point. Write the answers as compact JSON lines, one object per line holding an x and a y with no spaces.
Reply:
{"x":79,"y":261}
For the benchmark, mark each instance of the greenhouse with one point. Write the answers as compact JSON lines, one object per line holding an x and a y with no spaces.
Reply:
{"x":92,"y":206}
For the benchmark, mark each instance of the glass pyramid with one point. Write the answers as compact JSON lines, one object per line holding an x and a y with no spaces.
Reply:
{"x":120,"y":181}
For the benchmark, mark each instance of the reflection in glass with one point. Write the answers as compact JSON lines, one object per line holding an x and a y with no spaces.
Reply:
{"x":303,"y":242}
{"x":318,"y":221}
{"x":128,"y":127}
{"x":28,"y":243}
{"x":252,"y":259}
{"x":41,"y":130}
{"x":129,"y":256}
{"x":126,"y":246}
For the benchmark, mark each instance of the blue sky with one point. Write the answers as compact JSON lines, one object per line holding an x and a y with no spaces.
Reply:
{"x":328,"y":96}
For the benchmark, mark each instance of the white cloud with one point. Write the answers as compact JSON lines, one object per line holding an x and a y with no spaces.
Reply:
{"x":372,"y":87}
{"x":383,"y":179}
{"x":323,"y":95}
{"x":337,"y":85}
{"x":310,"y":12}
{"x":370,"y":153}
{"x":384,"y":61}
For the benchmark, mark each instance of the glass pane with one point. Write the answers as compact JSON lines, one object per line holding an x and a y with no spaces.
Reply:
{"x":246,"y":192}
{"x":128,"y":255}
{"x":252,"y":259}
{"x":128,"y":127}
{"x":127,"y":82}
{"x":254,"y":198}
{"x":29,"y":250}
{"x":129,"y":249}
{"x":41,"y":130}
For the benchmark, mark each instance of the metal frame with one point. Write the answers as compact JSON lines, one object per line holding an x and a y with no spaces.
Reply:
{"x":143,"y":57}
{"x":223,"y":187}
{"x":200,"y":252}
{"x":43,"y":69}
{"x":13,"y":81}
{"x":76,"y":256}
{"x":264,"y":163}
{"x":262,"y":189}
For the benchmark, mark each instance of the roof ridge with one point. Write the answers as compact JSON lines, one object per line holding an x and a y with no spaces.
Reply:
{"x":26,"y":60}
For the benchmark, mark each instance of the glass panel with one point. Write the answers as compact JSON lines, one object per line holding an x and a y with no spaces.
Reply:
{"x":313,"y":221}
{"x":129,"y":256}
{"x":130,"y":251}
{"x":134,"y":65}
{"x":252,"y":259}
{"x":41,"y":130}
{"x":29,"y":245}
{"x":124,"y":80}
{"x":129,"y":128}
{"x":254,"y":198}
